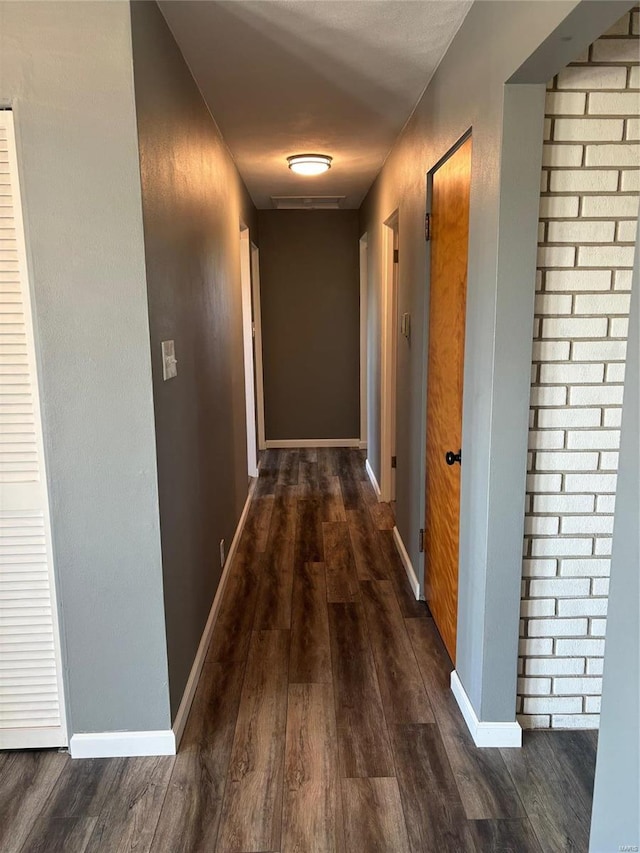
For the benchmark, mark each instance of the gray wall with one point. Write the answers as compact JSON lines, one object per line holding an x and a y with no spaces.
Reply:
{"x":193,"y":202}
{"x":310,"y":298}
{"x":615,"y":818}
{"x":468,"y":91}
{"x":65,"y":68}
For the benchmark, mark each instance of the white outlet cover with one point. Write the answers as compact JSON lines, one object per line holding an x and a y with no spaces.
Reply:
{"x":169,"y":361}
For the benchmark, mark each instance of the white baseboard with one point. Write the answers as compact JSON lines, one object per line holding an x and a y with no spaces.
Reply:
{"x":192,"y":682}
{"x":122,"y":744}
{"x":129,"y":744}
{"x":313,"y":442}
{"x":406,"y":562}
{"x":372,"y":478}
{"x":484,"y":733}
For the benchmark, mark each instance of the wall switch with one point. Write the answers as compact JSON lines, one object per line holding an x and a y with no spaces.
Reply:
{"x":405,"y":325}
{"x":169,"y":361}
{"x":222,"y":555}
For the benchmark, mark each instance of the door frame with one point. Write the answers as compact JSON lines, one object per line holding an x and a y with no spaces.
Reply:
{"x":425,"y":372}
{"x":388,"y":383}
{"x":257,"y":344}
{"x":422,"y":571}
{"x":364,"y":282}
{"x":247,"y":346}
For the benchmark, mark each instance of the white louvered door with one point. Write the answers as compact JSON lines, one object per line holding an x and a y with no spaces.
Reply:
{"x":31,"y":695}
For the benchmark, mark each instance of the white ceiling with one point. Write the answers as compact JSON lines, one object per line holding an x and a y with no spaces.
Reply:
{"x":337,"y":77}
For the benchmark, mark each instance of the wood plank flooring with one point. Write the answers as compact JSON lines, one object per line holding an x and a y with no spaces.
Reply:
{"x":323,"y":721}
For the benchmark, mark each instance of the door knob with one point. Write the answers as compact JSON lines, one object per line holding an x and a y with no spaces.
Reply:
{"x":451,"y":457}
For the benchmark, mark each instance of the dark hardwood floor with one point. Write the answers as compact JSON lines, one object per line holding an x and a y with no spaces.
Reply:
{"x":323,"y":720}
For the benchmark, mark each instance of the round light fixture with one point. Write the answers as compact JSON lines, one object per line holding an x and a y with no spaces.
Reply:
{"x":309,"y":164}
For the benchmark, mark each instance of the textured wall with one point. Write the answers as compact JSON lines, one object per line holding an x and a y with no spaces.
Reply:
{"x":588,"y":217}
{"x":65,"y":68}
{"x":310,"y":298}
{"x":193,"y":202}
{"x":494,"y":44}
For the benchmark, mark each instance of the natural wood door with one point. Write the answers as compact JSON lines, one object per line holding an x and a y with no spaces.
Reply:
{"x":447,"y":303}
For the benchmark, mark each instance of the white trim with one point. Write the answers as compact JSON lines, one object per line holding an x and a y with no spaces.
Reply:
{"x":247,"y":346}
{"x":387,"y":378}
{"x":362,"y":445}
{"x":406,"y":562}
{"x":122,"y":744}
{"x":484,"y":734}
{"x":372,"y":478}
{"x":257,"y":343}
{"x":313,"y":442}
{"x":129,"y":744}
{"x":192,"y":683}
{"x":364,"y":279}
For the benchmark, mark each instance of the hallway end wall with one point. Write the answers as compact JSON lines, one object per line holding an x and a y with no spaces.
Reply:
{"x":310,"y":301}
{"x":193,"y":202}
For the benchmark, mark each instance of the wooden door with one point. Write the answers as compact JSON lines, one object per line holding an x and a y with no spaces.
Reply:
{"x":447,"y":304}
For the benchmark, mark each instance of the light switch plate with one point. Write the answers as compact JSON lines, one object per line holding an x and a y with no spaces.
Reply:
{"x":169,"y":361}
{"x":405,"y":325}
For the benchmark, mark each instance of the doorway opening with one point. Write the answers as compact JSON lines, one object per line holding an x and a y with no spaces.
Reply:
{"x":252,"y":376}
{"x":257,"y":345}
{"x":389,"y":358}
{"x":364,"y":278}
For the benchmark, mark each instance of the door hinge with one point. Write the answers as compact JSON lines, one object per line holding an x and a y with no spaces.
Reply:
{"x":396,"y":256}
{"x":427,"y":227}
{"x":421,"y":540}
{"x":394,"y":461}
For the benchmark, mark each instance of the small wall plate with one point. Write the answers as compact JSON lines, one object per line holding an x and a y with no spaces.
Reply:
{"x":169,"y":361}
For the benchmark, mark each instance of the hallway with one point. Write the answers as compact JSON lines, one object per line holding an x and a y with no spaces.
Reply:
{"x":323,"y":719}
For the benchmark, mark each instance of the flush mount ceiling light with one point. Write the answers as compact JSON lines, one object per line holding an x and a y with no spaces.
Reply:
{"x":309,"y":164}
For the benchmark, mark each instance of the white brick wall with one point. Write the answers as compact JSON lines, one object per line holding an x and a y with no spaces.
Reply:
{"x":588,"y":215}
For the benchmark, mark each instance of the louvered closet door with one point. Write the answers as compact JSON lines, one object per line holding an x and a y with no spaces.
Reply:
{"x":31,"y":696}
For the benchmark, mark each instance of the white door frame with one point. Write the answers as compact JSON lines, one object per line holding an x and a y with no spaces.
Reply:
{"x":364,"y":277}
{"x":257,"y":344}
{"x":388,"y":360}
{"x":247,"y":345}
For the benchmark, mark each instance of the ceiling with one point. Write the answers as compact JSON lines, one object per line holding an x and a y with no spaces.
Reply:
{"x":337,"y":77}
